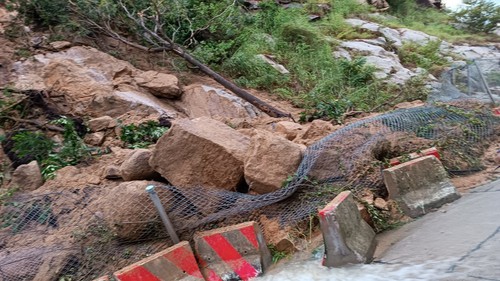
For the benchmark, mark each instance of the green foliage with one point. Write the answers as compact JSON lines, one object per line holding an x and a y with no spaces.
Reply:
{"x":34,"y":145}
{"x":379,"y":218}
{"x":479,"y":15}
{"x":425,"y":56}
{"x":44,"y":12}
{"x":429,"y":20}
{"x":142,"y":135}
{"x":72,"y":151}
{"x":50,"y":156}
{"x":275,"y":254}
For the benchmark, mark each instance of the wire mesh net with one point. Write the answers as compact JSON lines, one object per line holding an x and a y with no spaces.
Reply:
{"x":478,"y":80}
{"x":89,"y":232}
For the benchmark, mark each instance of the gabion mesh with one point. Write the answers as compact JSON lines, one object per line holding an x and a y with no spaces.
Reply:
{"x":89,"y":232}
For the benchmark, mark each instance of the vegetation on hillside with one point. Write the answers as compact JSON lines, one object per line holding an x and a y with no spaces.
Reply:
{"x":229,"y":38}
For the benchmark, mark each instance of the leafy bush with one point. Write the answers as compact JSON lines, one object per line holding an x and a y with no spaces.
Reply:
{"x":72,"y":151}
{"x":142,"y":135}
{"x":479,"y":15}
{"x":44,"y":12}
{"x":32,"y":145}
{"x":425,"y":56}
{"x":50,"y":156}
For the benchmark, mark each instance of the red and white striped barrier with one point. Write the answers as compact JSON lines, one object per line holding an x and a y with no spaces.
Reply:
{"x":347,"y":237}
{"x":237,"y":252}
{"x":173,"y":264}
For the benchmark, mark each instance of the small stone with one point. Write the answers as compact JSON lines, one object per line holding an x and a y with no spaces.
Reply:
{"x":101,"y":124}
{"x":318,"y":129}
{"x":160,"y":84}
{"x":59,"y":45}
{"x":27,"y":177}
{"x":136,"y":166}
{"x":367,"y":196}
{"x":112,"y":172}
{"x":288,"y":129}
{"x":94,"y":139}
{"x":95,"y":180}
{"x":381,"y":204}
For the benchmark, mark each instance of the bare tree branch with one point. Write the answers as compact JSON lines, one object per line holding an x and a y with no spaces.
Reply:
{"x":157,"y":38}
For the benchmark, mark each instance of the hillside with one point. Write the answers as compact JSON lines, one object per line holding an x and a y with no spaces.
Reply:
{"x":98,"y":101}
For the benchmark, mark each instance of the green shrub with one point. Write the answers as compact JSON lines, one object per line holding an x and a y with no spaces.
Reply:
{"x":44,"y":12}
{"x":425,"y":56}
{"x":142,"y":135}
{"x":33,"y":145}
{"x":479,"y":15}
{"x":72,"y":151}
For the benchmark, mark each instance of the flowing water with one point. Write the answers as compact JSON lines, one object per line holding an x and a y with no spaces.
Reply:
{"x":312,"y":270}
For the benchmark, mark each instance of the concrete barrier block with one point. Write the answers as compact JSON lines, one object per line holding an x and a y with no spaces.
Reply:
{"x":104,"y":278}
{"x":419,"y":185}
{"x":347,"y":237}
{"x":173,"y":264}
{"x":237,"y":252}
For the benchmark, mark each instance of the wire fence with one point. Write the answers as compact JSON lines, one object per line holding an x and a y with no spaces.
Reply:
{"x":89,"y":232}
{"x":478,"y":80}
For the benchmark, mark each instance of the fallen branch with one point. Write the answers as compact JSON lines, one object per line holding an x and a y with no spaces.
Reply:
{"x":36,"y":123}
{"x":162,"y":42}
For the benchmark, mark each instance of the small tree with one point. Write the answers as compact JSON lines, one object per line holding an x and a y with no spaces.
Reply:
{"x":479,"y":15}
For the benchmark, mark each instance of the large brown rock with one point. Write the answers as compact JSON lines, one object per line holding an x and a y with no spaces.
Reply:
{"x":84,"y":81}
{"x":27,"y":177}
{"x":288,"y":129}
{"x":160,"y":84}
{"x":199,"y":100}
{"x":136,"y":166}
{"x":201,"y":152}
{"x":129,"y":211}
{"x":101,"y":123}
{"x":270,"y":160}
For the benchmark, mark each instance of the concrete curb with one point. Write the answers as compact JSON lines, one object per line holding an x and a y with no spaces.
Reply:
{"x":347,"y":237}
{"x":419,"y":185}
{"x":173,"y":264}
{"x":236,"y":252}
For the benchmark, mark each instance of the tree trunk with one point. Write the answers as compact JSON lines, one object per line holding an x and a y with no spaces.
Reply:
{"x":263,"y":106}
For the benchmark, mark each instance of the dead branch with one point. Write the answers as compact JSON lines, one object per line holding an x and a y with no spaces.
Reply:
{"x":36,"y":123}
{"x":160,"y":41}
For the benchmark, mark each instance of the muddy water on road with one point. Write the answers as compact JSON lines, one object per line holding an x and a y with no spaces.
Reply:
{"x":312,"y":270}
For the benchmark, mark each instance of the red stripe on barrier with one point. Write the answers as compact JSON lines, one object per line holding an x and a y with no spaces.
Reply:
{"x":333,"y":204}
{"x":210,"y":275}
{"x":137,"y":274}
{"x":229,"y":255}
{"x":184,"y":260}
{"x":249,"y":233}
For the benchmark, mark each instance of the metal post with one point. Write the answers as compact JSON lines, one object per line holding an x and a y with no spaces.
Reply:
{"x":469,"y":81}
{"x":485,"y":85}
{"x":163,"y":215}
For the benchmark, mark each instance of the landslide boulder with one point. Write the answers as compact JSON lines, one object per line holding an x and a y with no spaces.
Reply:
{"x":201,"y":152}
{"x":269,"y":161}
{"x":200,"y":100}
{"x":129,"y":211}
{"x":27,"y":177}
{"x":136,"y":166}
{"x":159,"y":84}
